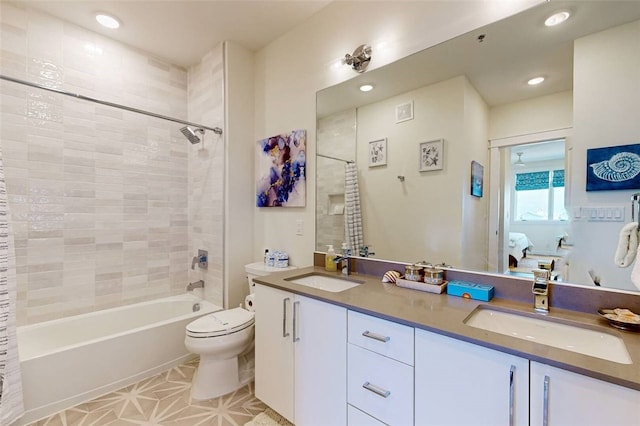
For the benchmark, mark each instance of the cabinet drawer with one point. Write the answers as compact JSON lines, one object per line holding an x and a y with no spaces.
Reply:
{"x":380,"y":386}
{"x":356,"y":417}
{"x":384,"y":337}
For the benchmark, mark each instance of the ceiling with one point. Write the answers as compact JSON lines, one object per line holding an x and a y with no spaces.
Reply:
{"x":512,"y":51}
{"x":181,"y":32}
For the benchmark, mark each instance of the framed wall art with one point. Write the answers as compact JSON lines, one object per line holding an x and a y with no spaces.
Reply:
{"x":431,"y":155}
{"x":404,"y":112}
{"x":378,"y":152}
{"x":477,"y":178}
{"x":613,"y":168}
{"x":282,"y":170}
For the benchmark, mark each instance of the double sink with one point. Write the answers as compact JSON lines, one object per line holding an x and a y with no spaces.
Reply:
{"x":574,"y":337}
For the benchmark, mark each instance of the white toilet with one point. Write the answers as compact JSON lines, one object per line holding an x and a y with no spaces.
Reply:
{"x":219,"y":339}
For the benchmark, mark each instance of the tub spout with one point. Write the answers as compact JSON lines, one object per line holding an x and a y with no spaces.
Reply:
{"x":197,"y":284}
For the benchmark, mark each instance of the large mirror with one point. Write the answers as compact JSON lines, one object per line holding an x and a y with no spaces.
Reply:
{"x":459,"y":160}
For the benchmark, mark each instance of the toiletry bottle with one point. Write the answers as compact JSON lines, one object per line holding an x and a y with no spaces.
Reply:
{"x":346,"y":252}
{"x":329,"y":264}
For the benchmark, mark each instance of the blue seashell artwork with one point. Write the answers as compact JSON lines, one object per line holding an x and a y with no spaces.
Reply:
{"x":613,"y":168}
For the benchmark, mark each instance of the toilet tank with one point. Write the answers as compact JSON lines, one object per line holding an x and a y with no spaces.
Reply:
{"x":259,"y":269}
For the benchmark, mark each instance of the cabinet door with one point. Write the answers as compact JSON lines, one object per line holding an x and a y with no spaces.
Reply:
{"x":274,"y":349}
{"x":458,"y":383}
{"x":560,"y":397}
{"x":320,"y":363}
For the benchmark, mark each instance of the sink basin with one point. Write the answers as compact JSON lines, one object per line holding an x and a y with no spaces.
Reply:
{"x":574,"y":338}
{"x":324,"y":282}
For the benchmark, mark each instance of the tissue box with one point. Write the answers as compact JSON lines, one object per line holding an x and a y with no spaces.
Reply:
{"x":470,"y":290}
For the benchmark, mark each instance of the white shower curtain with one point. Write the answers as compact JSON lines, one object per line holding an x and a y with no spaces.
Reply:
{"x":11,"y":406}
{"x":353,"y":214}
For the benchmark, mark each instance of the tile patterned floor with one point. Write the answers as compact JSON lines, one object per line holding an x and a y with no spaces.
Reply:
{"x":162,"y":400}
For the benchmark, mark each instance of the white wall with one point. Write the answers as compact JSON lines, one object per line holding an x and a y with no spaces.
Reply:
{"x":291,"y":69}
{"x":539,"y":114}
{"x":239,"y":185}
{"x":606,"y":105}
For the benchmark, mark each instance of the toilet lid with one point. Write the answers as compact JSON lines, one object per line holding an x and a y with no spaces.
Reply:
{"x":220,"y":323}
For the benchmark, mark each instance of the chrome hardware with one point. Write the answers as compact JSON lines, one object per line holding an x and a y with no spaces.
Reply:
{"x":377,"y":390}
{"x":197,"y":284}
{"x":284,"y":318}
{"x":344,"y":263}
{"x":545,"y":405}
{"x":375,"y":336}
{"x":201,"y":260}
{"x":295,"y":316}
{"x":195,"y":307}
{"x":512,"y":372}
{"x":360,"y":58}
{"x":540,"y":290}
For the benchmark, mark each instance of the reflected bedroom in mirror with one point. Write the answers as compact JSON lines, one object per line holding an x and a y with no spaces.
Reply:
{"x":525,"y":100}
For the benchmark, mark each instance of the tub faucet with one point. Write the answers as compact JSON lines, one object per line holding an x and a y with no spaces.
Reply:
{"x":344,"y":263}
{"x":197,"y":284}
{"x":540,"y":290}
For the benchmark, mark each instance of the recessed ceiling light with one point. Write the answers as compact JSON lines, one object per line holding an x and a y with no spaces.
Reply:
{"x":557,"y":18}
{"x":107,"y":21}
{"x":366,"y":87}
{"x":535,"y":81}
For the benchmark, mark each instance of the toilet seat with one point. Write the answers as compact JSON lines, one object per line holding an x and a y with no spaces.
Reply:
{"x":220,"y":323}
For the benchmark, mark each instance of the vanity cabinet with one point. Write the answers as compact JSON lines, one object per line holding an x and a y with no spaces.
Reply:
{"x":459,"y":383}
{"x":560,"y":397}
{"x":380,"y":371}
{"x":301,"y":357}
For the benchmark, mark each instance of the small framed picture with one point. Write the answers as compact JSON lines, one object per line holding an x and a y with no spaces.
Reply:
{"x":432,"y":155}
{"x":378,"y":153}
{"x":477,"y":177}
{"x":404,"y":112}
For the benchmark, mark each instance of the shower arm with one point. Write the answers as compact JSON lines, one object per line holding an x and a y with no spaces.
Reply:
{"x":216,"y":130}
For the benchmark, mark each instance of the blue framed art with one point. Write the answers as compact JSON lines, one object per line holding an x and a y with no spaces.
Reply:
{"x":613,"y":168}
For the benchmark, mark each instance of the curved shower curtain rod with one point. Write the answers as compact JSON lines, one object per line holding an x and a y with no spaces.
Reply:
{"x":216,"y":130}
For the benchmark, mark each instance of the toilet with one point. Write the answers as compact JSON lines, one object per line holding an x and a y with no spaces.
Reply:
{"x":220,"y":338}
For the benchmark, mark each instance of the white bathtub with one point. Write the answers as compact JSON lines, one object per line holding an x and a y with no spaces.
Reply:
{"x":71,"y":360}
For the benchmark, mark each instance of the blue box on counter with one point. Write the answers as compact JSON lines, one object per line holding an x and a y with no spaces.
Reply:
{"x":470,"y":290}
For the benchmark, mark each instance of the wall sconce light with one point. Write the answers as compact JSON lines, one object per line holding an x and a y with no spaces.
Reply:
{"x":360,"y":58}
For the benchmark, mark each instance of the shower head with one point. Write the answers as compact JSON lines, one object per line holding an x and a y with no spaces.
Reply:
{"x":190,"y":134}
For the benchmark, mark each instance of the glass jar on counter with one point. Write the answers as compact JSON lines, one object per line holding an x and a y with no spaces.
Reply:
{"x":413,"y":272}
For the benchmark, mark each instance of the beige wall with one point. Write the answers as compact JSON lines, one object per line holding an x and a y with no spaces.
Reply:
{"x":605,"y":107}
{"x":291,"y":69}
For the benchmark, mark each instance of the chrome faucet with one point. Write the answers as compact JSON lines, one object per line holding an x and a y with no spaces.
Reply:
{"x":197,"y":284}
{"x":540,"y":290}
{"x":344,"y":263}
{"x":200,"y":260}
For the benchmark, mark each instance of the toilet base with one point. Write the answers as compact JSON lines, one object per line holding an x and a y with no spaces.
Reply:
{"x":216,"y":377}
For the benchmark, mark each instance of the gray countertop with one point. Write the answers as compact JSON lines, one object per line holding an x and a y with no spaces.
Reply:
{"x":445,"y":315}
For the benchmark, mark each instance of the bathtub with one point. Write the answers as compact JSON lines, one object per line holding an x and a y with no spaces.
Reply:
{"x":71,"y":360}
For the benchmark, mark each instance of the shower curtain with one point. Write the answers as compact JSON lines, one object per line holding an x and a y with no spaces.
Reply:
{"x":11,"y":407}
{"x":353,"y":214}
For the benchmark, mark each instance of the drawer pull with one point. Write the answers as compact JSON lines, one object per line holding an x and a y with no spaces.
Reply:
{"x":378,"y":337}
{"x":375,"y":389}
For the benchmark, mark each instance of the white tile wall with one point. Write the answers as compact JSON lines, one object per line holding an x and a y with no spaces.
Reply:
{"x":336,"y":138}
{"x":103,"y":201}
{"x":206,"y":172}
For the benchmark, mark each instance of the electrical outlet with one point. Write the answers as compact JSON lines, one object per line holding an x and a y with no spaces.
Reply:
{"x":300,"y":227}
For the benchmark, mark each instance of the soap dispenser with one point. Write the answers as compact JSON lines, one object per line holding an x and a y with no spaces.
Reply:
{"x":329,"y":258}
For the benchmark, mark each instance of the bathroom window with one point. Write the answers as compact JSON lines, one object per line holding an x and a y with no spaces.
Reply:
{"x":539,"y":196}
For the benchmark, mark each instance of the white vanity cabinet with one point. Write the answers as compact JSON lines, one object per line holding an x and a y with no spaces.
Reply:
{"x":300,"y":346}
{"x":560,"y":397}
{"x":459,"y":383}
{"x":380,"y":371}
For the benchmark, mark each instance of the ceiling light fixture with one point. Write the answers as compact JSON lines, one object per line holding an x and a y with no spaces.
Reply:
{"x":535,"y":81}
{"x":107,"y":21}
{"x":557,"y":18}
{"x":366,"y":87}
{"x":519,"y":162}
{"x":360,"y":58}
